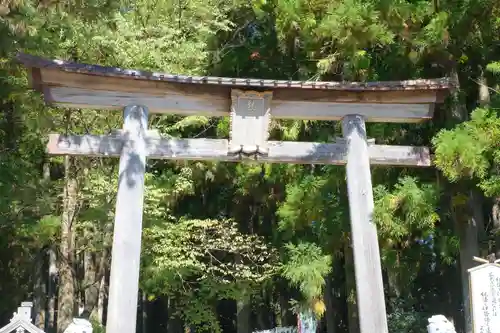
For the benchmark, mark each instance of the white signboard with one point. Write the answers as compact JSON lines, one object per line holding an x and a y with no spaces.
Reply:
{"x":485,"y":298}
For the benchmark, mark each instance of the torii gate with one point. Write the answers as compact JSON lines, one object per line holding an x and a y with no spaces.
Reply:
{"x":250,"y":103}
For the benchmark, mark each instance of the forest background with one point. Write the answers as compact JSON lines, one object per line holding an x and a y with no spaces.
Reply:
{"x":240,"y":247}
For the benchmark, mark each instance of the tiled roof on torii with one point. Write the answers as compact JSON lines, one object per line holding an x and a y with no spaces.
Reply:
{"x":31,"y":61}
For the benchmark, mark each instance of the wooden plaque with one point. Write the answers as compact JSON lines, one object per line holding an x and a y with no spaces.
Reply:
{"x":250,"y":117}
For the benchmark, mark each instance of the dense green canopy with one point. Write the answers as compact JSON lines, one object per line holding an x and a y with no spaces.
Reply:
{"x":241,"y":247}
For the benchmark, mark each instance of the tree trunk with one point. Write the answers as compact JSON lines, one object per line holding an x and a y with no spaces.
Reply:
{"x":102,"y":301}
{"x":495,"y":221}
{"x":484,"y":90}
{"x":330,"y":314}
{"x":264,"y":316}
{"x":95,"y":269}
{"x":284,"y":317}
{"x":350,"y":285}
{"x":66,"y":306}
{"x":393,"y":281}
{"x":91,"y":282}
{"x":468,"y":229}
{"x":51,"y":317}
{"x":144,"y":312}
{"x":45,"y":311}
{"x":174,"y":324}
{"x":40,"y":292}
{"x":278,"y":311}
{"x":243,"y":315}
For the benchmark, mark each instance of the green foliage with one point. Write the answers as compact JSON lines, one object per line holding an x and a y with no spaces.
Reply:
{"x":313,"y":206}
{"x":314,"y":217}
{"x":306,"y":268}
{"x":494,"y":67}
{"x":405,"y":216}
{"x":353,"y":25}
{"x":471,"y":150}
{"x":97,"y":327}
{"x":406,"y":319}
{"x":209,"y":249}
{"x":296,"y":212}
{"x":45,"y":231}
{"x":409,"y":208}
{"x":200,"y":261}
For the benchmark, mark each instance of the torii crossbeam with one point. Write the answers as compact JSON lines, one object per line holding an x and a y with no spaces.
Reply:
{"x":158,"y":147}
{"x":251,"y":103}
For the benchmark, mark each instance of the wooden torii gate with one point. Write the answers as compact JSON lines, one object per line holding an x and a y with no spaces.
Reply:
{"x":250,"y":103}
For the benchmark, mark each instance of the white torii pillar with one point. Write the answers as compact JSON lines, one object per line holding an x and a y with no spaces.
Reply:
{"x":126,"y":252}
{"x":368,"y":271}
